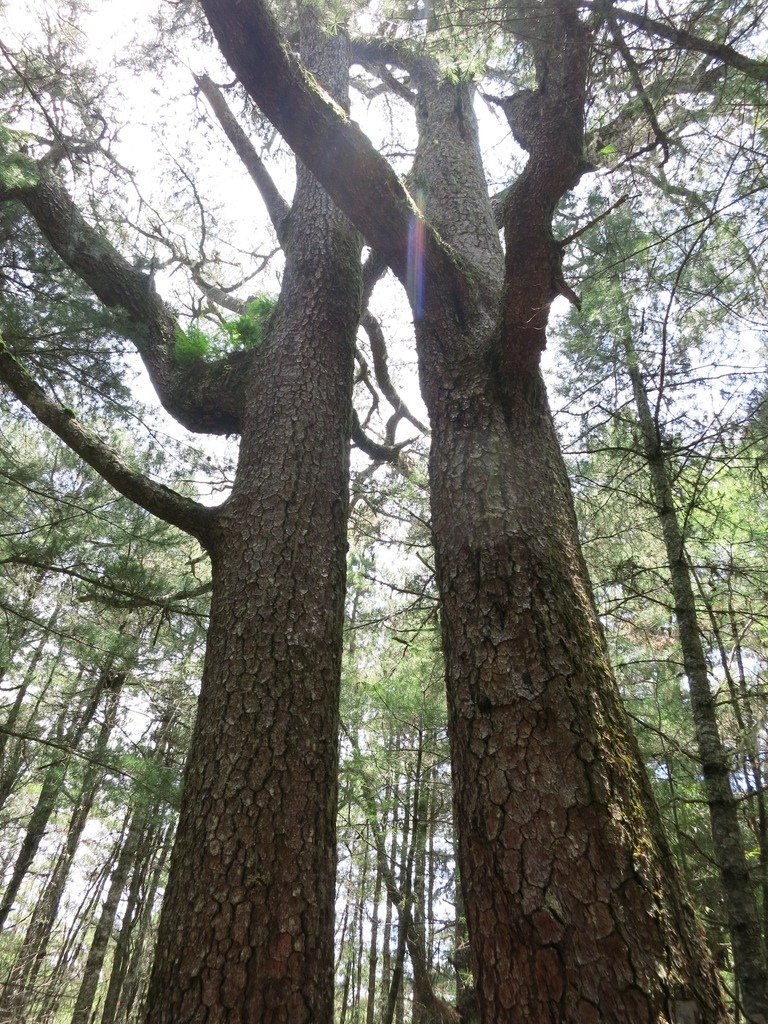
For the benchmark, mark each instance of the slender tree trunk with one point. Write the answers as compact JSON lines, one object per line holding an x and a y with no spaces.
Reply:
{"x":11,"y":720}
{"x":738,"y":891}
{"x":431,"y":855}
{"x":136,"y":891}
{"x":47,"y":801}
{"x":247,"y":922}
{"x":373,"y":949}
{"x":751,"y":762}
{"x":394,"y":993}
{"x":757,"y":758}
{"x":360,"y":940}
{"x":14,"y":748}
{"x":66,"y":968}
{"x":137,"y":973}
{"x":348,"y":950}
{"x":405,"y":869}
{"x":393,"y":792}
{"x":126,"y":862}
{"x":31,"y":955}
{"x":428,"y":1007}
{"x":466,"y":996}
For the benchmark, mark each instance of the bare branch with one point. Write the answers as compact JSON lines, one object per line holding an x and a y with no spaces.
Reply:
{"x":375,"y":334}
{"x":378,"y":452}
{"x":277,"y":208}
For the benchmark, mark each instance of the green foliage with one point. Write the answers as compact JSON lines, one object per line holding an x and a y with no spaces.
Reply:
{"x":16,"y":169}
{"x":191,"y":345}
{"x":246,"y":332}
{"x":242,"y":334}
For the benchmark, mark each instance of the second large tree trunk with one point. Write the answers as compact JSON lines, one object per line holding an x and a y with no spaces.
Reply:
{"x":573,"y":900}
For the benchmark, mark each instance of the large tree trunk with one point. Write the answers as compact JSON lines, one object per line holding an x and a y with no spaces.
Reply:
{"x":571,"y":893}
{"x":574,"y":904}
{"x":575,"y":908}
{"x":246,"y":931}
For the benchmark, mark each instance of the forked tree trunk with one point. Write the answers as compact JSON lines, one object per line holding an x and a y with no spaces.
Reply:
{"x":574,"y":904}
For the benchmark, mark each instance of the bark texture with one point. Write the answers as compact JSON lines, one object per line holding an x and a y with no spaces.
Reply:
{"x":246,"y":932}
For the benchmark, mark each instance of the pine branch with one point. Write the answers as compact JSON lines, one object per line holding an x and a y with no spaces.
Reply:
{"x":205,"y":397}
{"x":637,"y":81}
{"x":156,"y":498}
{"x":684,"y":40}
{"x":113,"y":769}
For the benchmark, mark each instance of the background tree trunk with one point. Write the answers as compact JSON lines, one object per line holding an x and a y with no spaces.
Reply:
{"x":739,"y":893}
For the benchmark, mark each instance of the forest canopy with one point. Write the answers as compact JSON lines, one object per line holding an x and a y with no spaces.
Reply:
{"x":383,"y":549}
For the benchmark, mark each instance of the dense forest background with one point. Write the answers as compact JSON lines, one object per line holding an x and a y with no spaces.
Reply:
{"x":657,"y":378}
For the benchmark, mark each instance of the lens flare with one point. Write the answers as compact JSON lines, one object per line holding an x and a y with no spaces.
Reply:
{"x":416,"y":253}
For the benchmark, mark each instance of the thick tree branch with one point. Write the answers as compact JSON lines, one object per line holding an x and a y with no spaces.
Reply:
{"x":378,"y":452}
{"x":277,"y":208}
{"x":548,"y":123}
{"x":684,"y":40}
{"x":375,"y":55}
{"x":204,"y":397}
{"x":156,"y":498}
{"x":342,"y":158}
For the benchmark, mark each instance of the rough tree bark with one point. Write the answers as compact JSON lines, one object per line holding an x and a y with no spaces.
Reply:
{"x":576,"y":911}
{"x":247,"y":925}
{"x":246,"y":931}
